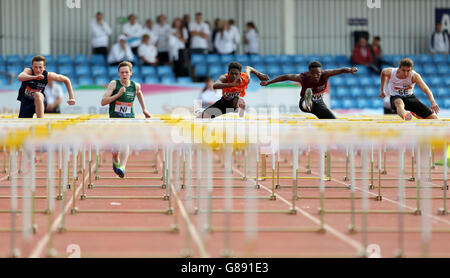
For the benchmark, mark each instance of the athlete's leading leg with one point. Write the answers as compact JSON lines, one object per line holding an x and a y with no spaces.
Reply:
{"x":124,"y":153}
{"x":39,"y":104}
{"x":400,"y":107}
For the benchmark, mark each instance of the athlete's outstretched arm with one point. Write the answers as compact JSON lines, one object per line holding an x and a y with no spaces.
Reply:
{"x":140,"y":97}
{"x":281,"y":78}
{"x":334,"y":72}
{"x":62,"y":78}
{"x":221,"y":83}
{"x":423,"y":86}
{"x":385,"y":75}
{"x":25,"y":75}
{"x":261,"y":76}
{"x":107,"y":98}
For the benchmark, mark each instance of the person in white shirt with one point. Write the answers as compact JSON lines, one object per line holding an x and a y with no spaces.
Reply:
{"x":251,"y":38}
{"x":54,"y":96}
{"x":439,"y":43}
{"x":209,"y":96}
{"x":120,"y":51}
{"x":148,"y":29}
{"x":224,"y":40}
{"x":133,"y":31}
{"x":163,"y":30}
{"x":147,"y":52}
{"x":236,"y":36}
{"x":186,"y":22}
{"x":200,"y":33}
{"x":100,"y":31}
{"x":177,"y":46}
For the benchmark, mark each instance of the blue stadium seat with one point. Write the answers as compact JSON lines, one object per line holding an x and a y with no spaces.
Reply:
{"x":201,"y":70}
{"x":372,"y":92}
{"x":287,"y":69}
{"x":260,"y":67}
{"x":184,"y":80}
{"x":313,"y":57}
{"x":336,"y":80}
{"x":2,"y":67}
{"x":50,"y":60}
{"x":28,"y":57}
{"x":447,"y":81}
{"x":81,"y":59}
{"x":286,"y":59}
{"x":164,"y":71}
{"x":273,"y":70}
{"x":51,"y":68}
{"x":341,"y":92}
{"x":212,"y":59}
{"x":215,"y":69}
{"x":376,"y":103}
{"x":446,"y":103}
{"x":151,"y":79}
{"x":429,"y":69}
{"x":330,"y":66}
{"x":442,"y":92}
{"x":351,"y":81}
{"x":362,"y":70}
{"x":362,"y":103}
{"x":342,"y":59}
{"x":439,"y":58}
{"x":376,"y":81}
{"x":102,"y":80}
{"x":97,"y":60}
{"x":443,"y":69}
{"x":326,"y":59}
{"x":299,"y":59}
{"x":270,"y":59}
{"x":113,"y":71}
{"x":148,"y":70}
{"x":243,"y":59}
{"x":198,"y":58}
{"x":348,"y":103}
{"x":299,"y":68}
{"x":4,"y":81}
{"x":82,"y":70}
{"x":136,"y":70}
{"x":138,"y":79}
{"x":14,"y":69}
{"x":356,"y":92}
{"x":85,"y":80}
{"x":168,"y":80}
{"x":227,"y":58}
{"x":365,"y":81}
{"x":65,"y":59}
{"x":66,"y":70}
{"x":99,"y":70}
{"x":2,"y":60}
{"x":418,"y":69}
{"x":217,"y":76}
{"x":14,"y":59}
{"x":334,"y":103}
{"x":412,"y":57}
{"x":255,"y":59}
{"x":436,"y":81}
{"x":396,"y":58}
{"x":424,"y":58}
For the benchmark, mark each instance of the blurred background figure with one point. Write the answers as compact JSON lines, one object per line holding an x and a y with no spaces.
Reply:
{"x":120,"y":52}
{"x":251,"y":38}
{"x":186,"y":23}
{"x":100,"y":32}
{"x":224,"y":40}
{"x":200,"y":33}
{"x":377,"y":53}
{"x":208,"y":96}
{"x":236,"y":35}
{"x":439,"y":41}
{"x":147,"y":52}
{"x":177,"y":46}
{"x":133,"y":31}
{"x":148,"y":29}
{"x":362,"y":55}
{"x":54,"y":95}
{"x":162,"y":30}
{"x":218,"y":25}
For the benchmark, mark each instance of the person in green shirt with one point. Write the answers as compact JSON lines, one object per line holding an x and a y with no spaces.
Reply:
{"x":120,"y":96}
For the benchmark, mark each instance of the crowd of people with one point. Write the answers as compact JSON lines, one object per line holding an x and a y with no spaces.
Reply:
{"x":170,"y":44}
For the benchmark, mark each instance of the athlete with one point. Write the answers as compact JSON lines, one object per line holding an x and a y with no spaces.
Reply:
{"x":401,"y":82}
{"x":31,"y":93}
{"x":233,"y":85}
{"x":314,"y":84}
{"x":120,"y":96}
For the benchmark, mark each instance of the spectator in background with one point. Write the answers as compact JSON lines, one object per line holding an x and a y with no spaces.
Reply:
{"x":251,"y":38}
{"x":439,"y":43}
{"x":54,"y":96}
{"x":148,"y":52}
{"x":224,"y":41}
{"x":208,"y":95}
{"x":120,"y":52}
{"x":186,"y":23}
{"x":100,"y":31}
{"x":377,"y":53}
{"x":163,"y":31}
{"x":210,"y":41}
{"x":200,"y":33}
{"x":218,"y":25}
{"x":236,"y":35}
{"x":362,"y":55}
{"x":148,"y":29}
{"x":133,"y":31}
{"x":177,"y":45}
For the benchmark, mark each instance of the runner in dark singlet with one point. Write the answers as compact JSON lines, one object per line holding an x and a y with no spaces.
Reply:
{"x":314,"y":84}
{"x":233,"y":85}
{"x":31,"y":93}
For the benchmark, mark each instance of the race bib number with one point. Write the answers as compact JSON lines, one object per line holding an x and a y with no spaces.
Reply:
{"x":230,"y":96}
{"x":123,"y":108}
{"x":403,"y":91}
{"x":30,"y":92}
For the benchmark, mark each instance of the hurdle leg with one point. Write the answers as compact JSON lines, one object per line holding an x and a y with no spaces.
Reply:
{"x":417,"y":211}
{"x":278,"y":169}
{"x":401,"y":201}
{"x":295,"y":179}
{"x":15,"y":252}
{"x":352,"y":226}
{"x":308,"y":161}
{"x":4,"y":159}
{"x":384,"y":172}
{"x":346,"y":165}
{"x":371,"y":186}
{"x":263,"y":167}
{"x":443,"y":210}
{"x":412,"y":178}
{"x":74,"y":176}
{"x":328,"y":163}
{"x":379,"y":197}
{"x":83,"y":172}
{"x":65,"y":175}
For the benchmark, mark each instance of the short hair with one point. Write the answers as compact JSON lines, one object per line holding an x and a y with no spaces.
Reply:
{"x":125,"y":64}
{"x":377,"y":38}
{"x":129,"y":17}
{"x":314,"y":64}
{"x":198,"y":14}
{"x":234,"y":65}
{"x":145,"y":36}
{"x":38,"y":58}
{"x":406,"y":62}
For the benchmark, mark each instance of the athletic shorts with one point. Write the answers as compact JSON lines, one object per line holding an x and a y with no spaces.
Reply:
{"x":27,"y":108}
{"x":222,"y":106}
{"x":319,"y":109}
{"x":412,"y":104}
